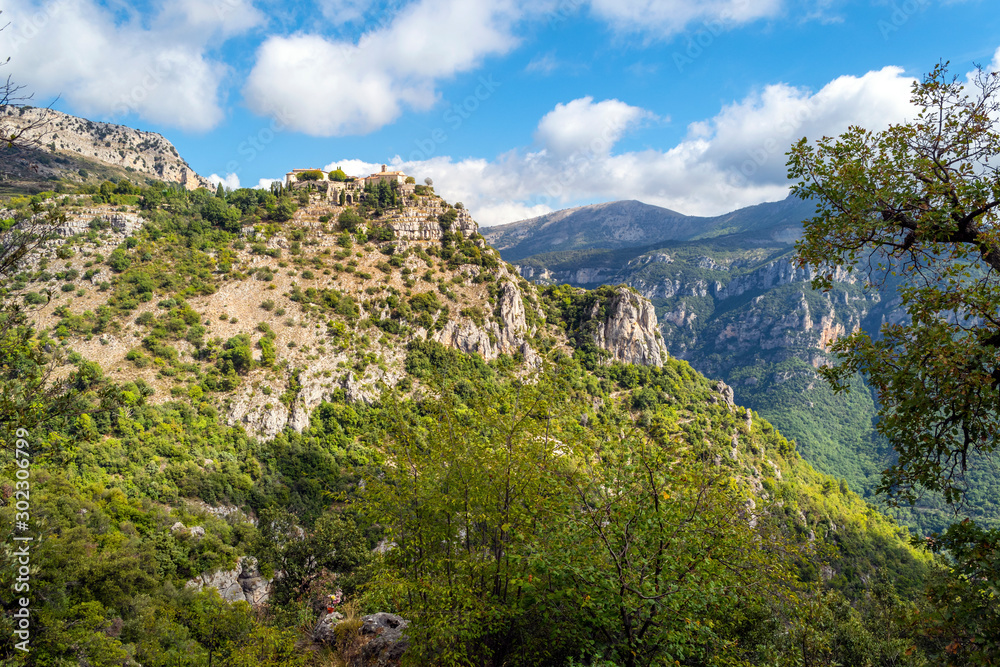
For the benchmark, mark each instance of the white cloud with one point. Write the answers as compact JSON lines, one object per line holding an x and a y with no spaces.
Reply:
{"x":581,"y":125}
{"x":107,"y":67}
{"x":265,"y":183}
{"x":734,"y":159}
{"x":340,"y":12}
{"x":230,"y":182}
{"x":202,"y":20}
{"x":666,"y":18}
{"x":542,"y":64}
{"x":338,"y":87}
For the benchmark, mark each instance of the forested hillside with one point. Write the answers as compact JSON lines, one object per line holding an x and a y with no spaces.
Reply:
{"x":738,"y":307}
{"x":241,"y":410}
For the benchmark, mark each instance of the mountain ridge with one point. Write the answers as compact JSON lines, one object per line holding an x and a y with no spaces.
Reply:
{"x":61,"y":147}
{"x":631,"y":223}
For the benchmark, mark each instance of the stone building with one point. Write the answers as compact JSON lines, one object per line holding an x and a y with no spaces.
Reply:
{"x":353,"y":187}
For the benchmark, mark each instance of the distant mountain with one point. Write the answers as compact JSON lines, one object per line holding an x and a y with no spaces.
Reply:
{"x":630,"y":224}
{"x":732,"y":300}
{"x":75,"y":151}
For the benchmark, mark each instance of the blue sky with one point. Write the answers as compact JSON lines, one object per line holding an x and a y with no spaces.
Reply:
{"x":515,"y":108}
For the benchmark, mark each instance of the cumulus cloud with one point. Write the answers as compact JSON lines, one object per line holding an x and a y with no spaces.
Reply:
{"x":156,"y":68}
{"x":734,"y":159}
{"x":666,"y":18}
{"x":337,"y":87}
{"x":230,"y":181}
{"x":582,"y":125}
{"x":265,"y":183}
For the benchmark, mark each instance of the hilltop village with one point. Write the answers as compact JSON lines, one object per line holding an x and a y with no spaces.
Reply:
{"x":406,"y":207}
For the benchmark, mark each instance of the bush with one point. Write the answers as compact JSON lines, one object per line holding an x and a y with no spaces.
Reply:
{"x":119,"y":260}
{"x":349,"y":220}
{"x":311,"y":175}
{"x":284,"y":210}
{"x":35,"y":298}
{"x":381,"y":234}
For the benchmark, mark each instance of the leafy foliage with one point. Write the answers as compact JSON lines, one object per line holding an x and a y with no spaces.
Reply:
{"x":919,"y":200}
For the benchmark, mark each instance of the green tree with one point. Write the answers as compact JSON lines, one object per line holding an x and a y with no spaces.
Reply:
{"x":349,"y":220}
{"x":237,"y":355}
{"x":465,"y":505}
{"x":520,"y":537}
{"x":917,"y":205}
{"x":310,"y":175}
{"x":967,"y":623}
{"x":219,"y":213}
{"x":333,"y":546}
{"x":284,"y":210}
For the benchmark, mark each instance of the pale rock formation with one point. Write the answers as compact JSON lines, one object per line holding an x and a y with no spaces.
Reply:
{"x":507,"y":336}
{"x":148,"y":153}
{"x":243,"y":583}
{"x":629,"y":330}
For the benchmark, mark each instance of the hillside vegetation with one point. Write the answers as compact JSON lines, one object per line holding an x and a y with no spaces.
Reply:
{"x":363,"y":398}
{"x":734,"y":302}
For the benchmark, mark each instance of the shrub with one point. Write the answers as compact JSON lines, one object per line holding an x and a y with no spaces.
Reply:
{"x":349,"y":220}
{"x":311,"y":175}
{"x":119,"y":260}
{"x":381,"y":234}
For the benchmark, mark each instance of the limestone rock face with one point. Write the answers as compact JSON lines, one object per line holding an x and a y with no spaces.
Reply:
{"x":583,"y":276}
{"x":771,"y":275}
{"x":79,"y":222}
{"x":507,"y":335}
{"x":148,"y":153}
{"x":419,"y":223}
{"x":629,"y":330}
{"x":726,"y":394}
{"x":243,"y":583}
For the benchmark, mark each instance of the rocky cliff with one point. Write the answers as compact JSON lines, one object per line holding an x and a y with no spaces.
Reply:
{"x":145,"y":154}
{"x":627,"y":329}
{"x":736,"y":304}
{"x":340,"y":321}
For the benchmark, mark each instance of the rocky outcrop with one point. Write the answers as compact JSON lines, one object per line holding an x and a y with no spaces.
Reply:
{"x":419,"y":223}
{"x":771,"y":275}
{"x":244,"y":583}
{"x":726,"y":395}
{"x":146,"y":153}
{"x":79,"y":222}
{"x":266,"y":416}
{"x":506,"y":335}
{"x":582,"y":276}
{"x":378,"y":641}
{"x":628,"y":329}
{"x":385,"y":643}
{"x":325,"y":631}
